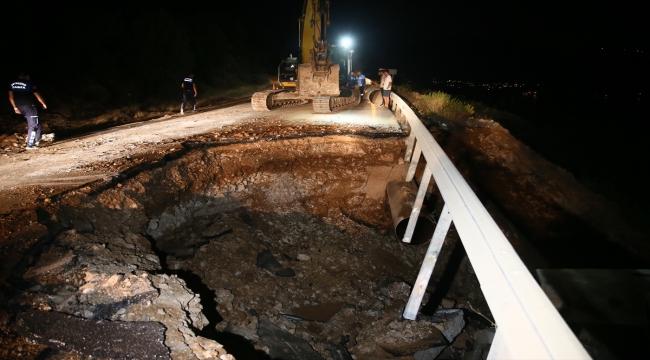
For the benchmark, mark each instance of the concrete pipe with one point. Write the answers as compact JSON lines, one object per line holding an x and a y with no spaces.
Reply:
{"x":373,"y":95}
{"x":401,"y":196}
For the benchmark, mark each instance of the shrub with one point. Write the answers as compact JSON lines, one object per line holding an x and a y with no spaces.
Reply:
{"x":441,"y":104}
{"x":455,"y":109}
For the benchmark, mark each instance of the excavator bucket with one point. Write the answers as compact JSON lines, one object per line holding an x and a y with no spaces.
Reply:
{"x":318,"y":83}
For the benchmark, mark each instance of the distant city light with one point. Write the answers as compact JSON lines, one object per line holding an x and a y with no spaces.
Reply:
{"x":459,"y":84}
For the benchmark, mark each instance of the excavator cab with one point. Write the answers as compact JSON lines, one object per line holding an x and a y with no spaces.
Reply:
{"x":288,"y":72}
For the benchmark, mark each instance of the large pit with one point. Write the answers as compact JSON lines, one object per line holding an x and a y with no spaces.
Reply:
{"x":280,"y":249}
{"x":271,"y":238}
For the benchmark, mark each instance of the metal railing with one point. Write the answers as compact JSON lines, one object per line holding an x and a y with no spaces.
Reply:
{"x":528,"y":325}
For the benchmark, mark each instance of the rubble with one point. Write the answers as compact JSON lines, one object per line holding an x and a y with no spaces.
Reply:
{"x":94,"y":339}
{"x":319,"y":312}
{"x":449,"y":321}
{"x":164,"y":227}
{"x":292,"y":250}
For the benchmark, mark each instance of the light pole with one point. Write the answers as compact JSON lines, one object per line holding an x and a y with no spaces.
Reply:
{"x":350,"y":60}
{"x":347,"y":42}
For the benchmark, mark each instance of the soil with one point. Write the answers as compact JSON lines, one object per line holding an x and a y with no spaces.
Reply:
{"x":102,"y":225}
{"x":260,"y":235}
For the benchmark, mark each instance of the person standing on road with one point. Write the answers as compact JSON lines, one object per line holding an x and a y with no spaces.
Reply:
{"x":23,"y":96}
{"x":362,"y":82}
{"x":386,"y":85}
{"x":381,"y":77}
{"x":381,"y":83}
{"x":189,"y":92}
{"x":352,"y":81}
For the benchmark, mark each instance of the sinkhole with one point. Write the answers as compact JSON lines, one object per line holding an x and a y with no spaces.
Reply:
{"x":281,"y":249}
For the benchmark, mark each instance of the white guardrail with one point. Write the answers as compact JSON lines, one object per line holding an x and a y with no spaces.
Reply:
{"x":528,"y":325}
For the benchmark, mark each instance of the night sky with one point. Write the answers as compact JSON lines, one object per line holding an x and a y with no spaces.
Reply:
{"x":515,"y":41}
{"x":589,"y":58}
{"x":483,"y":41}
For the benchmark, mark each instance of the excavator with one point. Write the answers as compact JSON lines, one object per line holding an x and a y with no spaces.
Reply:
{"x":316,"y":77}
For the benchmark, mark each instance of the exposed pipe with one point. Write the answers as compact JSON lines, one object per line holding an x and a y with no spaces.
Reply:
{"x":373,"y":95}
{"x":401,"y":196}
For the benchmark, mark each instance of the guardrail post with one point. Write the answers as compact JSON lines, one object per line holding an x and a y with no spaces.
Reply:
{"x":410,"y":143}
{"x":417,"y":205}
{"x":414,"y":162}
{"x":428,"y":264}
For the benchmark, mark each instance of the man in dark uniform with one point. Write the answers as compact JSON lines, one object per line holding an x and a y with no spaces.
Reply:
{"x":352,"y":81}
{"x":189,"y":92}
{"x":362,"y":82}
{"x":23,"y":96}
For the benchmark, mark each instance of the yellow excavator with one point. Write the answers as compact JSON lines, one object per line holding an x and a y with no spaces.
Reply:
{"x":316,"y":77}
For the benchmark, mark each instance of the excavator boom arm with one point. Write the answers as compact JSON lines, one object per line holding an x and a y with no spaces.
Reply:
{"x":315,"y":19}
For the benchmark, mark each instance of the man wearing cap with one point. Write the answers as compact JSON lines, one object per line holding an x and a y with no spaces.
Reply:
{"x":386,"y":85}
{"x":189,"y":92}
{"x":352,"y":81}
{"x":381,"y":77}
{"x":23,"y":96}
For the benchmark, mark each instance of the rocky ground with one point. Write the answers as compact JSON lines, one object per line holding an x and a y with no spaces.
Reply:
{"x":269,"y":237}
{"x":230,"y":233}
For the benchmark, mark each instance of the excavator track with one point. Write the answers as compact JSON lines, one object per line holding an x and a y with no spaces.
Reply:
{"x":266,"y":101}
{"x":262,"y":101}
{"x":288,"y":103}
{"x":328,"y":104}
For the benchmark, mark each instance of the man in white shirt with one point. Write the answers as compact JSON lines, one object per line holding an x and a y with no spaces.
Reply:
{"x":386,"y":85}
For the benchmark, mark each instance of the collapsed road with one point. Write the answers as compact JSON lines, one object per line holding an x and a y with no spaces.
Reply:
{"x":230,"y":233}
{"x":246,"y":235}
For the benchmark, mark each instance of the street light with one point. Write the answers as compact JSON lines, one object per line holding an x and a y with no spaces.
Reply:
{"x":346,"y":42}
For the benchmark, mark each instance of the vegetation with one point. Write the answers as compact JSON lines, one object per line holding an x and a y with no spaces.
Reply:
{"x":438,"y":103}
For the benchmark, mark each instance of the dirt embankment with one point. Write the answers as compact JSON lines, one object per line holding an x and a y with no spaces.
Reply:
{"x":562,"y":224}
